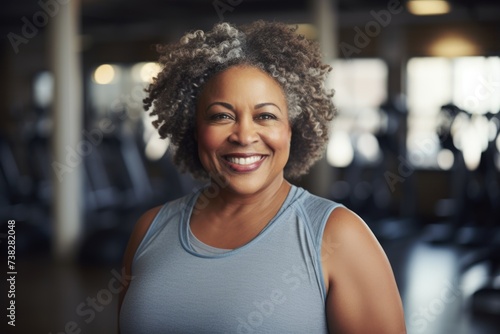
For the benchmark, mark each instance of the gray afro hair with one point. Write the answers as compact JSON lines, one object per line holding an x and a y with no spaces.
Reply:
{"x":275,"y":48}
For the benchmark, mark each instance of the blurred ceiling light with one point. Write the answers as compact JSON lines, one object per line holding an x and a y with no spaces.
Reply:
{"x":104,"y":74}
{"x":339,"y":152}
{"x":453,"y":46}
{"x":428,"y":7}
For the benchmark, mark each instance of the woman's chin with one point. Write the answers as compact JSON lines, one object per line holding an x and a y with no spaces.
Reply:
{"x":251,"y":183}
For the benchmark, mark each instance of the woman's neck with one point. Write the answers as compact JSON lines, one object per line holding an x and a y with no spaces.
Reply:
{"x":230,"y":203}
{"x":230,"y":221}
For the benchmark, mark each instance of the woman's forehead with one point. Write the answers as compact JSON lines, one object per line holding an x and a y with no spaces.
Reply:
{"x":243,"y":80}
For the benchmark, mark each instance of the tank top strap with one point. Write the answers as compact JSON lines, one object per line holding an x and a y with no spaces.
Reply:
{"x":316,"y":211}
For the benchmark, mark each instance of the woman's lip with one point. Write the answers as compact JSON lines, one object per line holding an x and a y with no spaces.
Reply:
{"x":242,"y":155}
{"x":244,"y":168}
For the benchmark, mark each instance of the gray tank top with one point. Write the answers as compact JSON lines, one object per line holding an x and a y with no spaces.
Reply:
{"x":273,"y":284}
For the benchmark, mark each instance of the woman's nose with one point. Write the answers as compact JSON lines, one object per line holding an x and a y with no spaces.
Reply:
{"x":244,"y":132}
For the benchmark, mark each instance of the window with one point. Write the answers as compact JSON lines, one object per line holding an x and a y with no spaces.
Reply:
{"x":470,"y":83}
{"x":360,"y":88}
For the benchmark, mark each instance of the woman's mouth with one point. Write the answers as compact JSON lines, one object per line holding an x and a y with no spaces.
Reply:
{"x":244,"y":163}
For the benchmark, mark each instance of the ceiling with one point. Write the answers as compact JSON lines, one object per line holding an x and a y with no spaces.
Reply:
{"x":148,"y":15}
{"x":125,"y":30}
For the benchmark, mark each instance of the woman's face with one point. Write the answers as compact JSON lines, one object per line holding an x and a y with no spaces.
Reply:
{"x":243,"y":132}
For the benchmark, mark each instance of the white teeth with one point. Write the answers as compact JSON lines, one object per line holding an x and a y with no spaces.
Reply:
{"x":244,"y":161}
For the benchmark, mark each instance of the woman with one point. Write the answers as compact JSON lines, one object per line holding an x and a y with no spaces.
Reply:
{"x":247,"y":108}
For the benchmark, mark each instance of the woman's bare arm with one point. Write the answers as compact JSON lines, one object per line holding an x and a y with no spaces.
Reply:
{"x":362,"y":293}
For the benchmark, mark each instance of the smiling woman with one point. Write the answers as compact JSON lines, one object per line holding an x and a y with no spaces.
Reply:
{"x":246,"y":108}
{"x":243,"y":131}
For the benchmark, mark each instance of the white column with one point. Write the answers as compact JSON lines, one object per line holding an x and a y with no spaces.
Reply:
{"x":66,"y":136}
{"x":326,"y":21}
{"x":324,"y":13}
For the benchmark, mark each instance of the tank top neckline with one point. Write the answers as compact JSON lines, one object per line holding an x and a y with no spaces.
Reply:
{"x":193,"y":246}
{"x":202,"y":248}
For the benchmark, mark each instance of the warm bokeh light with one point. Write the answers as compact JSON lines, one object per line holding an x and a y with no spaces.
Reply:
{"x":145,"y":72}
{"x":307,"y":30}
{"x":453,"y":46}
{"x":149,"y":71}
{"x":104,"y":74}
{"x":428,"y":7}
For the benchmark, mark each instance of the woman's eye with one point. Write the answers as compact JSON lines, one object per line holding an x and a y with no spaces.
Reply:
{"x":219,"y":117}
{"x":266,"y":116}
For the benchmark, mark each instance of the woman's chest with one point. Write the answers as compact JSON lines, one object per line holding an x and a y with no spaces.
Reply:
{"x":276,"y":291}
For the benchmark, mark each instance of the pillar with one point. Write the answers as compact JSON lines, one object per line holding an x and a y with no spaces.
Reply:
{"x":66,"y":136}
{"x":324,"y":12}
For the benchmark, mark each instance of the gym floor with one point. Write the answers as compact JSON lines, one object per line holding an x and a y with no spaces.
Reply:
{"x":65,"y":299}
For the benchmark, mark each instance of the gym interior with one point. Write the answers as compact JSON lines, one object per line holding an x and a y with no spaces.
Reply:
{"x":414,"y":147}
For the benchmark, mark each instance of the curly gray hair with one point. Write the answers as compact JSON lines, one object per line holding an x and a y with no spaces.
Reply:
{"x":292,"y":60}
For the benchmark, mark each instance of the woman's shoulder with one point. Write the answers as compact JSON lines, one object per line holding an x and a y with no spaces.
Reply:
{"x":316,"y":210}
{"x":172,"y":207}
{"x":140,"y":229}
{"x":344,"y":220}
{"x":349,"y":246}
{"x":145,"y":221}
{"x":350,"y":230}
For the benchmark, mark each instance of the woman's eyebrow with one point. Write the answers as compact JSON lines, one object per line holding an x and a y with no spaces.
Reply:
{"x":230,"y":106}
{"x":261,"y":105}
{"x":224,"y":104}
